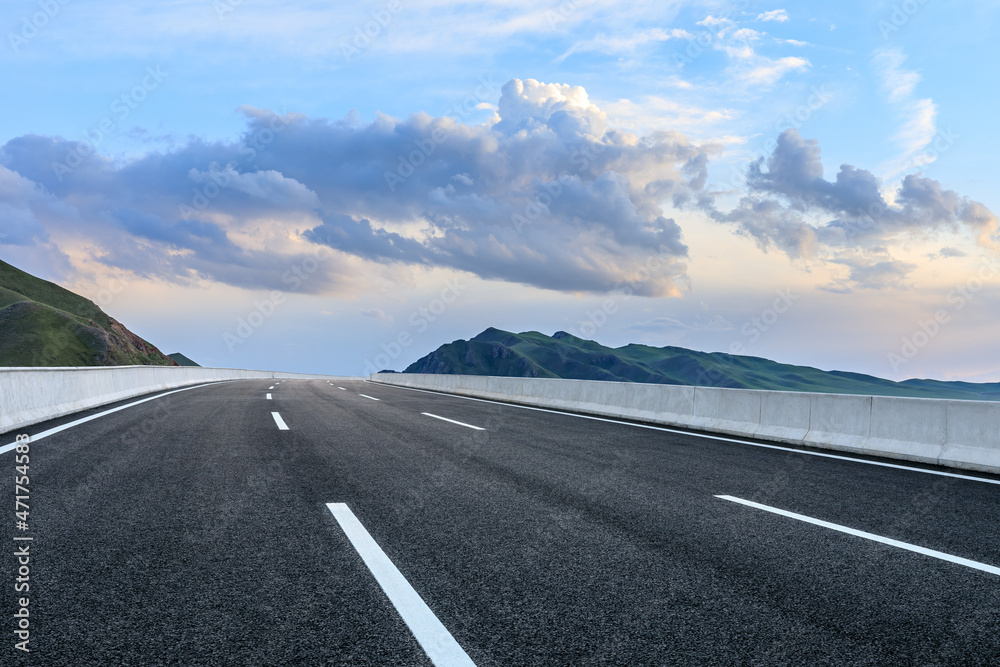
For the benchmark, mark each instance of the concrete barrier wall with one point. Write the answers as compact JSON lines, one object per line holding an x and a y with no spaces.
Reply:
{"x":972,"y":439}
{"x":958,"y":434}
{"x":909,"y":429}
{"x":32,"y":395}
{"x":784,"y":416}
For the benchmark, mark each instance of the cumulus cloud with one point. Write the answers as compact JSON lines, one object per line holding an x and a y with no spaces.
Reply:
{"x":267,"y":186}
{"x":850,"y":220}
{"x":19,"y":198}
{"x":872,"y":274}
{"x":546,"y":193}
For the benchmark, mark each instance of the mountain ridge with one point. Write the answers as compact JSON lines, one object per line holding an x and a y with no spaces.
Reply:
{"x":45,"y":325}
{"x":563,"y":355}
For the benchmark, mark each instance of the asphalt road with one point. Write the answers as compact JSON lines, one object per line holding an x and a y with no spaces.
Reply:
{"x":191,"y":530}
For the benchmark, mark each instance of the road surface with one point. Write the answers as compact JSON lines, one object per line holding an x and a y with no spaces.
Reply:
{"x":234,"y":524}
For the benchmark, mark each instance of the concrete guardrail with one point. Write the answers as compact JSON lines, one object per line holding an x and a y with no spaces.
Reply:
{"x":32,"y":395}
{"x":958,"y":434}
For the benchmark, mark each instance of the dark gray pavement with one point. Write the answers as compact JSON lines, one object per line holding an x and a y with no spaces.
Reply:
{"x":189,"y":530}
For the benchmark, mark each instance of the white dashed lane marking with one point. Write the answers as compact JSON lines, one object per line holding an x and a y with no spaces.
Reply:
{"x":431,"y":634}
{"x":868,"y":536}
{"x":282,"y":426}
{"x":445,"y":419}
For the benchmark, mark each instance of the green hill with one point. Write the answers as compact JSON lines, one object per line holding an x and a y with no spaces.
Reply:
{"x":182,"y":360}
{"x":532,"y":354}
{"x":42,"y":324}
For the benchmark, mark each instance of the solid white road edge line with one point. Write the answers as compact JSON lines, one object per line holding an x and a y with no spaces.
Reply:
{"x":720,"y":438}
{"x":57,"y":429}
{"x":478,"y":428}
{"x":282,"y":426}
{"x":371,"y":397}
{"x":433,"y":637}
{"x":868,"y":536}
{"x":269,"y":397}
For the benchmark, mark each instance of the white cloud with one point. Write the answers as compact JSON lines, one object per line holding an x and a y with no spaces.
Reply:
{"x":378,"y":314}
{"x":269,"y":186}
{"x":624,"y":44}
{"x":653,"y":113}
{"x":849,"y":221}
{"x":897,"y":82}
{"x":23,"y":208}
{"x":749,"y":34}
{"x":713,"y":22}
{"x":767,"y":71}
{"x":743,"y":52}
{"x":307,"y":28}
{"x":779,"y":15}
{"x":748,"y":66}
{"x":919,"y":129}
{"x":918,"y":125}
{"x":547,"y":194}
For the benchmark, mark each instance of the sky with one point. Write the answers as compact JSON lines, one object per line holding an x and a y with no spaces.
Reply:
{"x":306,"y":187}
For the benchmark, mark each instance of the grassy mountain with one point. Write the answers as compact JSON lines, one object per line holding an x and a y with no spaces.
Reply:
{"x":42,"y":324}
{"x":532,"y":354}
{"x":182,"y":360}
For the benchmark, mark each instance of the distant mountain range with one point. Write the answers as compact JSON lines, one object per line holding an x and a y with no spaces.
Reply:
{"x":533,"y":354}
{"x":42,"y":324}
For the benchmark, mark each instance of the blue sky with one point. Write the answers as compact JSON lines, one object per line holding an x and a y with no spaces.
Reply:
{"x":671,"y":173}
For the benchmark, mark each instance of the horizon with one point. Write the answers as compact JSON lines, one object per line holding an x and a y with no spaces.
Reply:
{"x":287,"y":187}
